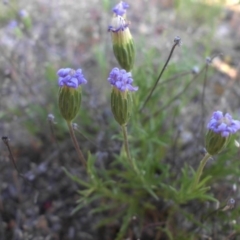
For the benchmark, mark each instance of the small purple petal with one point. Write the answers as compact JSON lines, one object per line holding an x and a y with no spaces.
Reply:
{"x":132,"y":89}
{"x":63,"y":72}
{"x":225,"y":134}
{"x":73,"y":82}
{"x":82,"y":81}
{"x":120,"y":8}
{"x":217,"y":115}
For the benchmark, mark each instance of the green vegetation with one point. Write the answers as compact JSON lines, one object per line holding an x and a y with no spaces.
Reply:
{"x":155,"y":195}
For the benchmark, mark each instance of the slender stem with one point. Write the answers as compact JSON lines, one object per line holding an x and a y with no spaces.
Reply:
{"x":126,"y":145}
{"x":200,"y":170}
{"x":160,"y":75}
{"x":175,"y":77}
{"x":6,"y":141}
{"x":75,"y":143}
{"x":203,"y":100}
{"x":51,"y":125}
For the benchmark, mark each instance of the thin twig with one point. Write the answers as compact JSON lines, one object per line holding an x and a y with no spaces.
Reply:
{"x":176,"y":77}
{"x":176,"y":96}
{"x":51,"y":125}
{"x":6,"y":142}
{"x":75,"y":127}
{"x":177,"y":41}
{"x":75,"y":143}
{"x":203,"y":98}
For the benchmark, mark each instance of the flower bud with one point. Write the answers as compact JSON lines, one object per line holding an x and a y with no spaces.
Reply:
{"x":123,"y":45}
{"x":69,"y":98}
{"x":121,"y":96}
{"x":220,"y":130}
{"x":121,"y":104}
{"x":69,"y":102}
{"x":215,"y":143}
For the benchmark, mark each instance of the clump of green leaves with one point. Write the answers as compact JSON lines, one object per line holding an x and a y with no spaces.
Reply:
{"x":161,"y":188}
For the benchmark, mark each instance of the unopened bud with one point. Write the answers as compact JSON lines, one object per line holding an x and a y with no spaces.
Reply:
{"x":69,"y":98}
{"x":123,"y":46}
{"x":121,"y":96}
{"x":69,"y":102}
{"x":121,"y":105}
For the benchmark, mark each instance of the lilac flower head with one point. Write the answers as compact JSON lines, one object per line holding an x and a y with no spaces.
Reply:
{"x":122,"y":80}
{"x":23,"y":13}
{"x":120,"y":8}
{"x":223,"y":124}
{"x":70,"y":78}
{"x":12,"y":24}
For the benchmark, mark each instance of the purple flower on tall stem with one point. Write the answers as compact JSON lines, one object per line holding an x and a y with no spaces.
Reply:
{"x":122,"y":80}
{"x":70,"y":77}
{"x":69,"y":100}
{"x":121,"y":96}
{"x":123,"y":46}
{"x":223,"y":124}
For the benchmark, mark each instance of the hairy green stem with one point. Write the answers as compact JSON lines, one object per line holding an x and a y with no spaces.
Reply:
{"x":75,"y":143}
{"x":200,"y":170}
{"x":126,"y":145}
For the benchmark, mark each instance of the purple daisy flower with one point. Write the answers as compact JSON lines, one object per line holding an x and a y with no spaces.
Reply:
{"x":122,"y":80}
{"x":120,"y":8}
{"x":223,"y":124}
{"x":70,"y":77}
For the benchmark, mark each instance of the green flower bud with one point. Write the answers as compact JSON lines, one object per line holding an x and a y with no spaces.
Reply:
{"x":215,"y":142}
{"x":123,"y":48}
{"x":70,"y":95}
{"x":123,"y":45}
{"x":121,"y":105}
{"x":69,"y":102}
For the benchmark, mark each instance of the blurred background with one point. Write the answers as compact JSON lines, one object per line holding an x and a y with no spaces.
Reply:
{"x":39,"y":37}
